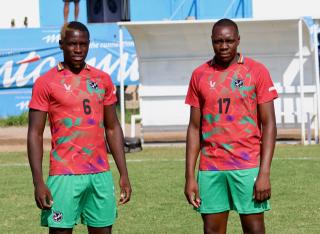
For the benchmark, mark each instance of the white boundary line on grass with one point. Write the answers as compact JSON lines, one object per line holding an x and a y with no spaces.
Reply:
{"x":166,"y":160}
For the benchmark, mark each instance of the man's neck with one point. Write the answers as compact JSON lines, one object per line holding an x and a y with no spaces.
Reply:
{"x":228,"y":64}
{"x":74,"y":70}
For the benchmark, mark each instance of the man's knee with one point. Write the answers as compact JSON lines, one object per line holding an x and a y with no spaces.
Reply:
{"x":215,"y":223}
{"x":60,"y":230}
{"x":212,"y":228}
{"x":253,"y":224}
{"x":254,"y":229}
{"x":100,"y":230}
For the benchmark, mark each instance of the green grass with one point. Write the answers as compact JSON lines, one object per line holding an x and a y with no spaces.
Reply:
{"x":158,"y":204}
{"x":19,"y":120}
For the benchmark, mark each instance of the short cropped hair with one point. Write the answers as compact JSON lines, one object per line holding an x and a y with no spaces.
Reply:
{"x":73,"y":25}
{"x":226,"y":22}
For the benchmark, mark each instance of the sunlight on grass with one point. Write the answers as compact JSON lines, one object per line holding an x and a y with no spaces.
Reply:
{"x":158,"y":204}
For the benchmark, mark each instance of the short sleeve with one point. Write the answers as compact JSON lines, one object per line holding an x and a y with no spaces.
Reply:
{"x":265,"y":89}
{"x":40,"y":98}
{"x":110,"y":92}
{"x":192,"y":97}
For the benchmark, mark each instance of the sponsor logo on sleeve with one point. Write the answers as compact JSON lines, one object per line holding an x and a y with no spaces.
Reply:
{"x":272,"y":89}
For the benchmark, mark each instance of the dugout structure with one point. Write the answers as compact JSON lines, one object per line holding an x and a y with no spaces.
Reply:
{"x":168,"y":52}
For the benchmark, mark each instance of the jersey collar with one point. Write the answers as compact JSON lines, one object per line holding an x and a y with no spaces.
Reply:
{"x":240,"y":60}
{"x":60,"y":67}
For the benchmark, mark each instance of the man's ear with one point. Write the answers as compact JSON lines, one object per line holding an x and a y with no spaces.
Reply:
{"x":60,"y":44}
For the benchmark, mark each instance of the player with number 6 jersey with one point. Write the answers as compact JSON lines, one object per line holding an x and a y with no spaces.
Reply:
{"x":79,"y":101}
{"x":74,"y":103}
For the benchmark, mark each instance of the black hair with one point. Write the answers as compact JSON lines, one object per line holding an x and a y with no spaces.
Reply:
{"x":73,"y":25}
{"x":225,"y":22}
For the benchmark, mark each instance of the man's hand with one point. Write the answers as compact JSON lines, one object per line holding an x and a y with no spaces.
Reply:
{"x":43,"y":197}
{"x":191,"y":192}
{"x":262,"y":188}
{"x":125,"y":190}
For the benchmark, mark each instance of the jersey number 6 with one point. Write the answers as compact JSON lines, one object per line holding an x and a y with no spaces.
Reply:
{"x":86,"y":107}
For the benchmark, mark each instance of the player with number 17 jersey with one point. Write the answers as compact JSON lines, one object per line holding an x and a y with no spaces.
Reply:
{"x":228,"y":100}
{"x":77,"y":129}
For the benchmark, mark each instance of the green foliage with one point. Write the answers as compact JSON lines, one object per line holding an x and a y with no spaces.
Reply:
{"x":158,"y":204}
{"x":19,"y":120}
{"x":128,"y":113}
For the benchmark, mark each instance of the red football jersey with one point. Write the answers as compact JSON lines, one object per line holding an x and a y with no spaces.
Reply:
{"x":228,"y":101}
{"x":75,"y":104}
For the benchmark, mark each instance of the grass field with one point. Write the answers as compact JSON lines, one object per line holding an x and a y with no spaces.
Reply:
{"x":158,"y":204}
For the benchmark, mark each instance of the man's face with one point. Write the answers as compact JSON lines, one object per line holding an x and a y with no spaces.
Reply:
{"x":225,"y":41}
{"x":75,"y":48}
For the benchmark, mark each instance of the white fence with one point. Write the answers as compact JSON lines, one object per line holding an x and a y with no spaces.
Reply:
{"x":169,"y":51}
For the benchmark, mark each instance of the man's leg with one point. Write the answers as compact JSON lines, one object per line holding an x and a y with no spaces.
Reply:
{"x":251,"y":212}
{"x":60,"y":230}
{"x":215,"y":223}
{"x":66,"y":11}
{"x":252,"y":223}
{"x":99,"y":212}
{"x":76,"y":10}
{"x":99,"y":230}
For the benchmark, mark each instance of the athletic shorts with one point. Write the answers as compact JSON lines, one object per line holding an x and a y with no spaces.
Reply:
{"x":71,"y":0}
{"x":222,"y":191}
{"x":89,"y":198}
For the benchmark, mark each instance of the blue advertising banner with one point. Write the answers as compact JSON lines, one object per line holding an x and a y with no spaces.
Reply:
{"x":26,"y":54}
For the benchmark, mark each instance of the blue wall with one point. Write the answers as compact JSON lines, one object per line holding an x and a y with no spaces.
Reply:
{"x":51,"y":12}
{"x":200,"y":9}
{"x":27,"y":53}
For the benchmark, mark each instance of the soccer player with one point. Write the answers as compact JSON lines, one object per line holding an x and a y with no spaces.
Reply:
{"x":79,"y":101}
{"x":232,"y":126}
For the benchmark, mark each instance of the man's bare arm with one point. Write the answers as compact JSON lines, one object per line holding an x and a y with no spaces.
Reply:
{"x":116,"y":144}
{"x":192,"y":152}
{"x":262,"y":189}
{"x":37,"y":120}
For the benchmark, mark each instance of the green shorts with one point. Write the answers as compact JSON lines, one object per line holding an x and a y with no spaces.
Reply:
{"x":222,"y":191}
{"x":88,"y":197}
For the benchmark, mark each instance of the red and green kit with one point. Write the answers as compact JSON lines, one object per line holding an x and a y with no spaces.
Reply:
{"x":228,"y":100}
{"x":75,"y":105}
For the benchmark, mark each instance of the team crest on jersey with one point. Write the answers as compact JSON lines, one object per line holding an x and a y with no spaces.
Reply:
{"x":57,"y":216}
{"x":93,"y":84}
{"x":238,"y":83}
